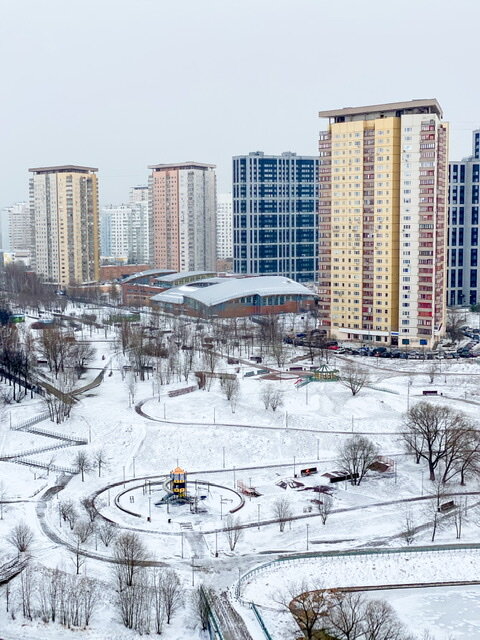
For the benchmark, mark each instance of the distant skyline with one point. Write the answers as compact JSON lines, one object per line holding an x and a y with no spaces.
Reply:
{"x":123,"y":84}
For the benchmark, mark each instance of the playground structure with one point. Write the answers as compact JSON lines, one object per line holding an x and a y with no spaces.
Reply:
{"x":175,"y":487}
{"x":322,"y":374}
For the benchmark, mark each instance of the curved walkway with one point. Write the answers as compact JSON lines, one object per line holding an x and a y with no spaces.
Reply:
{"x":139,"y":409}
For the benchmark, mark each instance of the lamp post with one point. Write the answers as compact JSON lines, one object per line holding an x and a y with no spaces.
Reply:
{"x":307,"y":535}
{"x":294,"y":474}
{"x":181,"y":536}
{"x":150,"y":508}
{"x":134,"y":466}
{"x":422,"y":480}
{"x":223,"y":457}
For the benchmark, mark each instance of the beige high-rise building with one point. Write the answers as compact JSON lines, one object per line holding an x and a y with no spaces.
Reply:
{"x":183,"y":216}
{"x":64,"y":205}
{"x":383,"y":221}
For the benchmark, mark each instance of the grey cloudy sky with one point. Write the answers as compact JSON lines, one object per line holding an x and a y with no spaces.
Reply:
{"x":120,"y":84}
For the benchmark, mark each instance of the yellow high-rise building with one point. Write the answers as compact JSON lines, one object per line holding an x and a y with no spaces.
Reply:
{"x":64,"y":209}
{"x":383,"y":221}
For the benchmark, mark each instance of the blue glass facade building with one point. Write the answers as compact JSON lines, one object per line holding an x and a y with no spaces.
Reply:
{"x":275,"y":220}
{"x":463,"y":229}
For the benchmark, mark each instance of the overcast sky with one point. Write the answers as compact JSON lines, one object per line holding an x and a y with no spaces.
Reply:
{"x":120,"y":84}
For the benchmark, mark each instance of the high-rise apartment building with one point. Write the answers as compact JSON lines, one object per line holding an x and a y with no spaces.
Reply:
{"x":464,"y":228}
{"x":183,"y":216}
{"x":124,"y":229}
{"x":275,"y":228}
{"x":64,"y":206}
{"x":224,"y":226}
{"x":383,"y":223}
{"x":20,"y":227}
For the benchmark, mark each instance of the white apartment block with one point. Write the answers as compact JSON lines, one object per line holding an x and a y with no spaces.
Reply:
{"x":224,"y":226}
{"x":124,"y":229}
{"x":20,"y":227}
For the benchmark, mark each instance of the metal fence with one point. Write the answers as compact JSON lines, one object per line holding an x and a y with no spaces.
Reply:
{"x":45,"y":415}
{"x":307,"y":557}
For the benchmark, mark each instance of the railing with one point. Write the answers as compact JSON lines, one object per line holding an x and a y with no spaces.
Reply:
{"x":34,"y":420}
{"x":260,"y":621}
{"x":307,"y":557}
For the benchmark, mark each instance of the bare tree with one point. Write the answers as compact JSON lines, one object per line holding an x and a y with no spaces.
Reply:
{"x":130,"y":554}
{"x":131,"y":384}
{"x":381,"y":622}
{"x":78,"y":557}
{"x":134,"y":601}
{"x":310,"y":608}
{"x":346,"y":615}
{"x":3,"y":498}
{"x":27,"y":586}
{"x":82,"y":463}
{"x":232,"y":530}
{"x":171,"y":591}
{"x":230,"y":387}
{"x":68,"y":512}
{"x":100,"y":459}
{"x":89,"y":506}
{"x":83,"y":530}
{"x":355,"y":457}
{"x":266,"y":395}
{"x":21,"y":537}
{"x":408,"y":534}
{"x":325,"y":506}
{"x":454,"y":326}
{"x":427,"y":431}
{"x":107,"y":533}
{"x":432,"y":372}
{"x":282,"y":511}
{"x":158,"y":603}
{"x":201,"y":606}
{"x":354,"y":378}
{"x":276,"y":399}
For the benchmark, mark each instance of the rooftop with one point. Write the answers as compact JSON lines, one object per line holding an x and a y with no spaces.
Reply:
{"x":149,"y":272}
{"x":223,"y":289}
{"x":430,"y":104}
{"x":64,"y":168}
{"x":171,"y":277}
{"x":190,"y":164}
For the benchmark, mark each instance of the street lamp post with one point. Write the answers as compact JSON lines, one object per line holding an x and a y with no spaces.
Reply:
{"x":307,"y":535}
{"x":223,"y":457}
{"x":150,"y":508}
{"x":134,"y":466}
{"x":422,"y":480}
{"x":294,"y":474}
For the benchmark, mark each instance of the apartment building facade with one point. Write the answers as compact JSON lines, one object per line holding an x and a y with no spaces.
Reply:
{"x":464,"y":228}
{"x":224,"y":226}
{"x":20,"y":227}
{"x":383,"y":223}
{"x":125,"y":229}
{"x":65,"y":213}
{"x":182,"y":203}
{"x":275,"y":222}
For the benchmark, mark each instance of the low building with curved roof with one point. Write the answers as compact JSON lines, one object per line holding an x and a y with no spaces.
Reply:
{"x":236,"y":297}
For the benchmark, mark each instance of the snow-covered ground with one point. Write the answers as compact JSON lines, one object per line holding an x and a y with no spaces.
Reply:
{"x":200,"y":432}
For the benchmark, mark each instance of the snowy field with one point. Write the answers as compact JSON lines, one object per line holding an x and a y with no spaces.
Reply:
{"x":220,"y":446}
